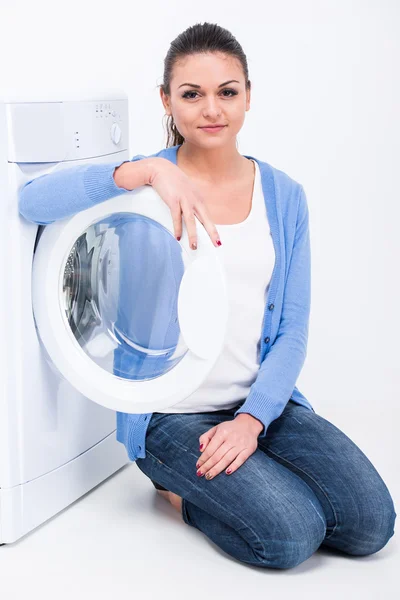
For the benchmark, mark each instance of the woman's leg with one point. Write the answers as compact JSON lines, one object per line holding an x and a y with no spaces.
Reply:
{"x":262,"y":514}
{"x":358,"y":508}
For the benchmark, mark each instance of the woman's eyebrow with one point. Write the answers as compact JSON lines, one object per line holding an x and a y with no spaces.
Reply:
{"x":199,"y":86}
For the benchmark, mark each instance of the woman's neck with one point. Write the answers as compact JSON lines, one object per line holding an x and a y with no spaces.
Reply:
{"x":214,"y":166}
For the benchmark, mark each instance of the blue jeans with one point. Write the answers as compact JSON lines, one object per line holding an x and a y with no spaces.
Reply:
{"x":307,"y":484}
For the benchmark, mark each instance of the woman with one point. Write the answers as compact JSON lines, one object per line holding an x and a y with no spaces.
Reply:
{"x":245,"y":459}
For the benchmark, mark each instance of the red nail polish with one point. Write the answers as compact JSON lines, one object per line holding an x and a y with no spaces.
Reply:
{"x":219,"y":242}
{"x":201,"y":446}
{"x":178,"y":237}
{"x":199,"y":473}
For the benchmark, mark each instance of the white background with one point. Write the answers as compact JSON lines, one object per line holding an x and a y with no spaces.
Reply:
{"x":324,"y":109}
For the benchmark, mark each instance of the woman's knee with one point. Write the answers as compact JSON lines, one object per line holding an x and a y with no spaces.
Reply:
{"x":366,"y":525}
{"x":295,"y":536}
{"x":373,"y":528}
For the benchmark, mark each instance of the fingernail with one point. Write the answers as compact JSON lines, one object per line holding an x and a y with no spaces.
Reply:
{"x":194,"y":246}
{"x":229,"y":471}
{"x":178,"y":237}
{"x":219,"y":242}
{"x":199,"y":473}
{"x":201,"y":446}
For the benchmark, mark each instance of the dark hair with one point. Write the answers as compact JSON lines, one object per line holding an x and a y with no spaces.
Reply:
{"x":206,"y":38}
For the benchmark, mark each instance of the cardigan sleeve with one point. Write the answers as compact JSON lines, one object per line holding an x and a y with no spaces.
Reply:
{"x":282,"y":365}
{"x":61,"y":194}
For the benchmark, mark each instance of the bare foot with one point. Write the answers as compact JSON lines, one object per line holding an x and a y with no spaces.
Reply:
{"x":174,"y":499}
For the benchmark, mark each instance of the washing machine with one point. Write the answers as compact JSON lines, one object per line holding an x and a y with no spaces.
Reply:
{"x":102,"y":311}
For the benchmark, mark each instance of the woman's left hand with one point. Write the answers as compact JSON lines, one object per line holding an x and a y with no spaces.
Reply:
{"x":228,"y":445}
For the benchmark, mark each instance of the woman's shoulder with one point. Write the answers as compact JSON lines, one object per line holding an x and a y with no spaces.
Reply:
{"x":163,"y":153}
{"x":281,"y":178}
{"x":285,"y":188}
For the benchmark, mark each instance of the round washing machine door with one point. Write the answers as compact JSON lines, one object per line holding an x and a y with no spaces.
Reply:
{"x":132,"y":318}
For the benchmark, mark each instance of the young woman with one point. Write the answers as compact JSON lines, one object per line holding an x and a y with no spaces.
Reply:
{"x":245,"y":459}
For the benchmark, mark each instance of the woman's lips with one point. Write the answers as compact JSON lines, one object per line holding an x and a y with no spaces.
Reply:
{"x":212,"y":129}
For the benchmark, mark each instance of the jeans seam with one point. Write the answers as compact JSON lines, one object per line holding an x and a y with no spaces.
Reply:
{"x":317,"y":484}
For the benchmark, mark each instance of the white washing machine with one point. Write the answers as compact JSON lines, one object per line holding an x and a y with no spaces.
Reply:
{"x":106,"y":282}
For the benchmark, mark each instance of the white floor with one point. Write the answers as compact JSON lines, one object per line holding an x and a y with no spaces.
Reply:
{"x":91,"y":550}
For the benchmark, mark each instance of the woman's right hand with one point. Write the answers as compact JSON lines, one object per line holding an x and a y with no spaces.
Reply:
{"x":182,"y":197}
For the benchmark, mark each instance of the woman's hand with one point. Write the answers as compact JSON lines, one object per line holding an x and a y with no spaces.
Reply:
{"x":182,"y":197}
{"x":228,"y":444}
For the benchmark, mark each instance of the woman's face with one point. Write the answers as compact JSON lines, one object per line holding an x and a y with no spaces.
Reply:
{"x":210,"y":103}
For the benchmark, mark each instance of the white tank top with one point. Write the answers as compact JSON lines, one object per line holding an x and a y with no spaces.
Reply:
{"x":248,"y":256}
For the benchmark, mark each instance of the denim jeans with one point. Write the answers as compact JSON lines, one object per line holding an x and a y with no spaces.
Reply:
{"x":307,"y":484}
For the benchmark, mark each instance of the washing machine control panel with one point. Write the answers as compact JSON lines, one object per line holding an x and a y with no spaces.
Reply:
{"x":66,"y":131}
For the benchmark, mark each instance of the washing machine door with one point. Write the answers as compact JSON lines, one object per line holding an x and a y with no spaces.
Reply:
{"x":132,"y":318}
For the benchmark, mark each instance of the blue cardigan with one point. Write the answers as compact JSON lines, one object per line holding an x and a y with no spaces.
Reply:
{"x":286,"y":318}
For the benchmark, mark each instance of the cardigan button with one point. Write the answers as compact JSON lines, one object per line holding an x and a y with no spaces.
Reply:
{"x":271,"y":307}
{"x":266,"y":340}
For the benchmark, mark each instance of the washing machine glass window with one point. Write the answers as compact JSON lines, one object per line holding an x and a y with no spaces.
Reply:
{"x":120,"y":291}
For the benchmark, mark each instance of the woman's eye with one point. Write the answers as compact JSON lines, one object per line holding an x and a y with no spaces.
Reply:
{"x":232,"y":92}
{"x":186,"y":94}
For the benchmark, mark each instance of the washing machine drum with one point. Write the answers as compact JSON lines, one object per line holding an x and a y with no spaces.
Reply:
{"x":132,"y":318}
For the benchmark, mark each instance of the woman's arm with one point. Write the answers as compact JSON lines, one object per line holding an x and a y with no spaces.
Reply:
{"x":58,"y":195}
